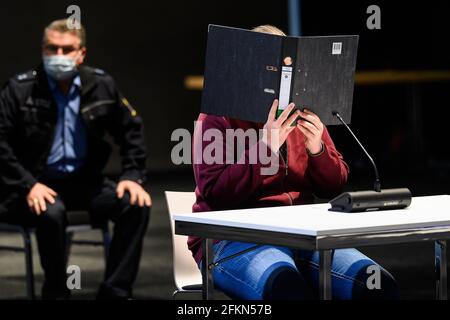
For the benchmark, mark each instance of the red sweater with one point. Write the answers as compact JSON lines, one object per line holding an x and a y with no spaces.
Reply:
{"x":237,"y":186}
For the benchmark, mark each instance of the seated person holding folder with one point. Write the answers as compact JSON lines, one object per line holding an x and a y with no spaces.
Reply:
{"x":309,"y":164}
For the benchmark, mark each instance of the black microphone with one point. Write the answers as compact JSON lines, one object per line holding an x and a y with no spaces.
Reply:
{"x":369,"y":200}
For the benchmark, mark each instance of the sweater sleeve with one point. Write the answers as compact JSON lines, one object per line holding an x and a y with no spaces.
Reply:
{"x":328,"y":171}
{"x":222,"y":184}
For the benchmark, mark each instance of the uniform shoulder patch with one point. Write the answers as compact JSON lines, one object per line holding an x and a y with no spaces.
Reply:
{"x":133,"y":111}
{"x":27,"y":76}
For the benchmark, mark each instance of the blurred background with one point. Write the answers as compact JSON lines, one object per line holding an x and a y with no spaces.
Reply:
{"x":155,"y":51}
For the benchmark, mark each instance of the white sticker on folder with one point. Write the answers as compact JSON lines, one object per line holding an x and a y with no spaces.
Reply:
{"x":337,"y":48}
{"x":285,"y":87}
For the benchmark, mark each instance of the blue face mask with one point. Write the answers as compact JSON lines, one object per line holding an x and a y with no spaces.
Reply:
{"x":60,"y":67}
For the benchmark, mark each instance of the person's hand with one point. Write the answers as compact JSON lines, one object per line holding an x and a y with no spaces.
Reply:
{"x":276,"y":131}
{"x":37,"y":197}
{"x":312,"y":129}
{"x":137,"y":193}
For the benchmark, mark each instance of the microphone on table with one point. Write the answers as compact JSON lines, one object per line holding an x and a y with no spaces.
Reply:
{"x":370,"y":200}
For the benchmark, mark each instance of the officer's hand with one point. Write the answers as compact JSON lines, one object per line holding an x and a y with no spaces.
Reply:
{"x":137,"y":193}
{"x":37,"y":196}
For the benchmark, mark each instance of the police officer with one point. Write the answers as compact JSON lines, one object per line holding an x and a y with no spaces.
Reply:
{"x":53,"y":123}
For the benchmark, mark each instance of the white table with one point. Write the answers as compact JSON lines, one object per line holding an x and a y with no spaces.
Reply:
{"x":313,"y":227}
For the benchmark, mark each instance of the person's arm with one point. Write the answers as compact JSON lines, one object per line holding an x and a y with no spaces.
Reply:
{"x":12,"y":173}
{"x":327,"y":170}
{"x":127,"y":130}
{"x":228,"y":185}
{"x":224,"y":185}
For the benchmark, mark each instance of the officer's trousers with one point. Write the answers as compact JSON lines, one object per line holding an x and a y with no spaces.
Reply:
{"x":98,"y":196}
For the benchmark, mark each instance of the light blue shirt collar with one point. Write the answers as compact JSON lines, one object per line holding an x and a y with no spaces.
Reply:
{"x":54,"y":86}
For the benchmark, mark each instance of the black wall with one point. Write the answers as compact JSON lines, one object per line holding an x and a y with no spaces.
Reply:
{"x":149,"y":47}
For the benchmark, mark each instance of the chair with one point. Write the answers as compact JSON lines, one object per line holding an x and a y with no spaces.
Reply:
{"x":77,"y":221}
{"x":26,"y":249}
{"x":187,"y":276}
{"x":81,"y":221}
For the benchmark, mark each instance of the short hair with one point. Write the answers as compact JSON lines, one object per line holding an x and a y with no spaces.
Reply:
{"x":62,"y":26}
{"x":267,"y":28}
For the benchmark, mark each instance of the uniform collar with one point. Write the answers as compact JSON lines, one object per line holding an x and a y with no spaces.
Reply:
{"x":87,"y":80}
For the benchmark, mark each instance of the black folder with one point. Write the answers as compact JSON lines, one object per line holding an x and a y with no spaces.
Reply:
{"x":246,"y":70}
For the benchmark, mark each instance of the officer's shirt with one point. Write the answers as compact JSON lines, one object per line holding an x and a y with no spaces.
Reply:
{"x":68,"y":151}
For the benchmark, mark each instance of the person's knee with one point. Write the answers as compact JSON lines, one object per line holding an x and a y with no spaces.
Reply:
{"x":379,"y":284}
{"x":55,"y":214}
{"x":286,"y":283}
{"x":389,"y":287}
{"x":143,"y":214}
{"x":134,"y":210}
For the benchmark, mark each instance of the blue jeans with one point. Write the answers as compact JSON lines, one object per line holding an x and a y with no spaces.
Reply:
{"x":273,"y":272}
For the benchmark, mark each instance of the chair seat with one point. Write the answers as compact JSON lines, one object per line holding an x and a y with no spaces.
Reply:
{"x":6,"y":227}
{"x":74,"y":218}
{"x":192,"y":287}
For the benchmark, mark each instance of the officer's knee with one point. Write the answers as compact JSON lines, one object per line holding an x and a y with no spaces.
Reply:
{"x":134,"y":210}
{"x":124,"y":202}
{"x":55,"y":214}
{"x":380,"y":285}
{"x":141,"y":213}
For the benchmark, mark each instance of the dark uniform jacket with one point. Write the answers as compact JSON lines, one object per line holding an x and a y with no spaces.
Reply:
{"x":28,"y":115}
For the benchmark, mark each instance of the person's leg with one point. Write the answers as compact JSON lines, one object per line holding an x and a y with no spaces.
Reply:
{"x":51,"y":239}
{"x":268,"y":272}
{"x":353,"y":275}
{"x":130,"y":225}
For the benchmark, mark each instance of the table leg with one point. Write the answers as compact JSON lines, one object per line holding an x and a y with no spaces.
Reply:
{"x":440,"y":265}
{"x":208,"y":285}
{"x":325,"y":274}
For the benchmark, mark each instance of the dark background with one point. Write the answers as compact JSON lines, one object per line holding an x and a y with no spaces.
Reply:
{"x":150,"y":47}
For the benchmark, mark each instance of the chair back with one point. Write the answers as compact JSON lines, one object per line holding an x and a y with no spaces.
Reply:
{"x":185,"y":270}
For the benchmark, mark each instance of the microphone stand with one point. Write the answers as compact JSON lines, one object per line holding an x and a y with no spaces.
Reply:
{"x":377,"y":199}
